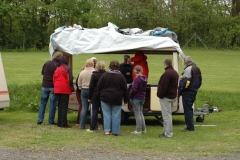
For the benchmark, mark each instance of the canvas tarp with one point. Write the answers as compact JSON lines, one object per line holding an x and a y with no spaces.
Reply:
{"x":104,"y":40}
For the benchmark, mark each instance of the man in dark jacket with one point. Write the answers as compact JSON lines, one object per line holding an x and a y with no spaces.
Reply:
{"x":126,"y":69}
{"x":189,"y":84}
{"x":47,"y":89}
{"x":167,"y":93}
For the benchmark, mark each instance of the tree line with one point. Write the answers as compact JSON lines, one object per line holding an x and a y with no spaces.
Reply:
{"x":26,"y":24}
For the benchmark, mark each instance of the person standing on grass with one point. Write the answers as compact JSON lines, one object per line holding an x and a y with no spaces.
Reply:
{"x":112,"y":87}
{"x":63,"y":87}
{"x":138,"y":95}
{"x":189,"y":84}
{"x":83,"y":84}
{"x":126,"y":69}
{"x":47,"y":89}
{"x":167,"y":93}
{"x":94,"y":95}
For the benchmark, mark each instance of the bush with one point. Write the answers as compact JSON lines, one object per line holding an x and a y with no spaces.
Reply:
{"x":221,"y":99}
{"x":24,"y":97}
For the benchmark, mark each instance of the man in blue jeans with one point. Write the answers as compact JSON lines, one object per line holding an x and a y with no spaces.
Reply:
{"x":47,"y":88}
{"x":189,"y":84}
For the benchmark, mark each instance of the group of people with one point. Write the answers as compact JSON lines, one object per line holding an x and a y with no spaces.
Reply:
{"x":57,"y":84}
{"x":107,"y":89}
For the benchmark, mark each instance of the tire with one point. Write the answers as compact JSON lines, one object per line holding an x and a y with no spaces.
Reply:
{"x":199,"y":119}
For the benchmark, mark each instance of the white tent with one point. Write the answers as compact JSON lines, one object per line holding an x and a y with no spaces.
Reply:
{"x":105,"y":40}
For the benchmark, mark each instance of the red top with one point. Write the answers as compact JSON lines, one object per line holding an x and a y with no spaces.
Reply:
{"x":61,"y":80}
{"x":141,"y":60}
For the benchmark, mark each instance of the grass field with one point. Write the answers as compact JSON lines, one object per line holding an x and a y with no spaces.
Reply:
{"x":18,"y":129}
{"x":219,"y":68}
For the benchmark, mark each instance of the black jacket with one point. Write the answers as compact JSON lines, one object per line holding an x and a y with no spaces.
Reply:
{"x":168,"y":84}
{"x":94,"y":81}
{"x":126,"y":70}
{"x":112,"y":87}
{"x":47,"y":71}
{"x":191,"y":81}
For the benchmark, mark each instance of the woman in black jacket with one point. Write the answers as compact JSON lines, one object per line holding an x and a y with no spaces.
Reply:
{"x":94,"y":94}
{"x":112,"y":87}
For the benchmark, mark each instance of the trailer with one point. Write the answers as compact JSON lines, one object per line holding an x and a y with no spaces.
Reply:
{"x":106,"y":40}
{"x":4,"y":95}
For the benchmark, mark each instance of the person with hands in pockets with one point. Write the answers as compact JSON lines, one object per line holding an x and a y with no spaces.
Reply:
{"x":167,"y":93}
{"x":138,"y":95}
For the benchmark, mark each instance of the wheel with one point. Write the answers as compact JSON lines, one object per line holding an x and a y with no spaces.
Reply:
{"x":199,"y":119}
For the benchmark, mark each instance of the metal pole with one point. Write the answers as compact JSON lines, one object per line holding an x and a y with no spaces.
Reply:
{"x":188,"y":41}
{"x":202,"y":42}
{"x":195,"y":39}
{"x":23,"y":41}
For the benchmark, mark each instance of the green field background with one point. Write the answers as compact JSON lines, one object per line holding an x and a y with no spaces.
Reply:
{"x":219,"y":140}
{"x":220,"y":72}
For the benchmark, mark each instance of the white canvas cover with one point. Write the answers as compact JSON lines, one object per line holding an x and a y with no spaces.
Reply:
{"x":4,"y":95}
{"x":104,"y":40}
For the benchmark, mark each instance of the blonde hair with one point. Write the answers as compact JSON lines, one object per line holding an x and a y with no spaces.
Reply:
{"x":89,"y":63}
{"x":100,"y":65}
{"x":138,"y":69}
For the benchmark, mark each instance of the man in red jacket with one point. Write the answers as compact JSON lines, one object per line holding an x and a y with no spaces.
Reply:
{"x":167,"y":93}
{"x":63,"y":87}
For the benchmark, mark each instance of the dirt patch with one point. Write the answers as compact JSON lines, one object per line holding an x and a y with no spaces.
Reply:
{"x":88,"y":154}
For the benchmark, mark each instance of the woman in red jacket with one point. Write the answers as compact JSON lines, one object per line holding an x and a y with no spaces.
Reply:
{"x":140,"y":60}
{"x":63,"y":87}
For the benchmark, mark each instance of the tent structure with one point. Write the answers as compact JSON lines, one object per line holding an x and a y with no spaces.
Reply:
{"x":73,"y":40}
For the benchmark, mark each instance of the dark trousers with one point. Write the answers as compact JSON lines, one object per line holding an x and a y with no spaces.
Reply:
{"x":78,"y":95}
{"x":188,"y":101}
{"x":96,"y":104}
{"x":63,"y":100}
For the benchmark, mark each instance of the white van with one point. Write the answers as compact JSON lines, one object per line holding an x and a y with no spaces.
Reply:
{"x":4,"y":95}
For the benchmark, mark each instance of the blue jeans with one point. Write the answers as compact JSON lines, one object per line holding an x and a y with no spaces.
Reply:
{"x":46,"y":92}
{"x":188,"y":101}
{"x":138,"y":112}
{"x":85,"y":105}
{"x":111,"y":117}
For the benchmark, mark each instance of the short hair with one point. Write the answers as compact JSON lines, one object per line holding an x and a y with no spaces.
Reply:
{"x":167,"y":61}
{"x":188,"y":60}
{"x":126,"y":56}
{"x":89,"y":63}
{"x":100,"y":65}
{"x":138,"y":69}
{"x":57,"y":54}
{"x":64,"y":60}
{"x":114,"y":65}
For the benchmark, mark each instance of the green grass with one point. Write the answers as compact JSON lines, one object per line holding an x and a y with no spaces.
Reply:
{"x":18,"y":128}
{"x":219,"y":68}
